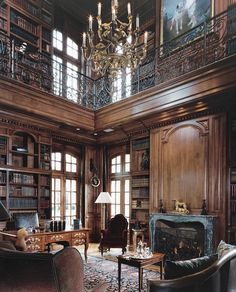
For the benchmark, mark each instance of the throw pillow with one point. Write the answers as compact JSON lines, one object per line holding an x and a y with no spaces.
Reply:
{"x":176,"y":269}
{"x":223,"y":248}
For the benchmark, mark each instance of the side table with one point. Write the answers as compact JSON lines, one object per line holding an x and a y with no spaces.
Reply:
{"x":140,"y":264}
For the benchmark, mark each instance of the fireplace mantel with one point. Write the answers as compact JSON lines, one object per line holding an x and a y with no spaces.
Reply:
{"x":208,"y":222}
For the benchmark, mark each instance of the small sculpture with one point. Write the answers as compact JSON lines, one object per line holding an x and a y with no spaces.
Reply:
{"x":161,"y":209}
{"x":145,"y":160}
{"x":181,"y":207}
{"x":204,"y":207}
{"x":21,"y":243}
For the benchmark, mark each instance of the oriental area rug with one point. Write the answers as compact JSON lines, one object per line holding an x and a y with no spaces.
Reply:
{"x":101,"y":275}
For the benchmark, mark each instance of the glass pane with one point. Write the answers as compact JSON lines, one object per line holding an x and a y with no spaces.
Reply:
{"x":118,"y":169}
{"x":68,"y":185}
{"x":73,"y":185}
{"x":118,"y":159}
{"x":58,"y":184}
{"x":126,"y":211}
{"x":127,"y":167}
{"x":118,"y":198}
{"x":73,"y":168}
{"x":126,"y":185}
{"x":113,"y":198}
{"x":57,"y":198}
{"x":68,"y":198}
{"x":117,"y":209}
{"x":58,"y":156}
{"x":58,"y":165}
{"x":127,"y":158}
{"x":73,"y":198}
{"x":118,"y":186}
{"x":127,"y":198}
{"x":113,"y":210}
{"x":113,"y":169}
{"x":113,"y":185}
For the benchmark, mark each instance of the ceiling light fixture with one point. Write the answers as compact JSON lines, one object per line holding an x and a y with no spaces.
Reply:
{"x":118,"y":46}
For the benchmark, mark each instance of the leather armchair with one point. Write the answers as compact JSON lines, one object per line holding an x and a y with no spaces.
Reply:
{"x":115,"y":235}
{"x":40,"y":272}
{"x":219,"y":277}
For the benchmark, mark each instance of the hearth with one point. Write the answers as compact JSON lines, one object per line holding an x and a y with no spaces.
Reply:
{"x":182,"y":236}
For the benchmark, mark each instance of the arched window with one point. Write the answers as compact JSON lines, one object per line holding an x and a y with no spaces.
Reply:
{"x":65,"y":195}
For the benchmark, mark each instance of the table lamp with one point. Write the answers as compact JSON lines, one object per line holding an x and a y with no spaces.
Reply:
{"x":103,"y":199}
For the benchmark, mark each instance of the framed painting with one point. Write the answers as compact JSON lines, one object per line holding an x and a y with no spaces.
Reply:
{"x":179,"y":16}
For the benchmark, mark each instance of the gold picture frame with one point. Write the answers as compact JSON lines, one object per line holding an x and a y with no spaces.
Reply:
{"x":180,"y":16}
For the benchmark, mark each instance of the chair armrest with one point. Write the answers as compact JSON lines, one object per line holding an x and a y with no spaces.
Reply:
{"x":70,"y":270}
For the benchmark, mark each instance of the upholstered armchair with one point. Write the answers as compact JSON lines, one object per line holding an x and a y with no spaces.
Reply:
{"x":115,"y":235}
{"x":40,"y":272}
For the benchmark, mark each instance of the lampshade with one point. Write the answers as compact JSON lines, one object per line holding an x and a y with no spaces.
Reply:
{"x":4,"y":214}
{"x":103,"y":198}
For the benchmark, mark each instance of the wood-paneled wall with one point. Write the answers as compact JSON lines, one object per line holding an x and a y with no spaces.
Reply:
{"x":187,"y":163}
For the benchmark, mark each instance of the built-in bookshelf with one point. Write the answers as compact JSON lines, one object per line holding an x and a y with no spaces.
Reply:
{"x":140,"y":183}
{"x":25,"y":176}
{"x":29,"y":22}
{"x":232,"y":196}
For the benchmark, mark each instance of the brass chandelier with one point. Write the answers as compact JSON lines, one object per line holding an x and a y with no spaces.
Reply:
{"x":118,"y":46}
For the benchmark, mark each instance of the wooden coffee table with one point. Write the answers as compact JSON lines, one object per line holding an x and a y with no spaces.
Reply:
{"x":140,"y":264}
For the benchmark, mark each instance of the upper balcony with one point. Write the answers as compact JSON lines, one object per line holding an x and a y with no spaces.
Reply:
{"x":209,"y":45}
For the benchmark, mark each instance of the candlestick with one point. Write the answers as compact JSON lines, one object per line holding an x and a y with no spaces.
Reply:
{"x":99,"y":9}
{"x":90,"y":22}
{"x":84,"y":39}
{"x":145,"y":37}
{"x":137,"y":21}
{"x":129,"y":8}
{"x":113,"y":13}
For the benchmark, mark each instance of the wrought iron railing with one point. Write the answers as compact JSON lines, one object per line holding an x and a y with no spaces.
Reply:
{"x":206,"y":44}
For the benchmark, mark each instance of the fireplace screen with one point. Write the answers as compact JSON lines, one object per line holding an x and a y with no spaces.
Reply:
{"x":180,"y":241}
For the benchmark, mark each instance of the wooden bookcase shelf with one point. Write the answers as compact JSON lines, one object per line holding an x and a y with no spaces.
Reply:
{"x":25,"y":175}
{"x":140,"y":183}
{"x":30,"y":22}
{"x":232,"y":195}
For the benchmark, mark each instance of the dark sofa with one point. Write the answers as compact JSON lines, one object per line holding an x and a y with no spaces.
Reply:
{"x":219,"y":277}
{"x":40,"y":272}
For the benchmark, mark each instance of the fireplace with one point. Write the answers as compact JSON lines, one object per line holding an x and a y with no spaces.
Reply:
{"x":182,"y":237}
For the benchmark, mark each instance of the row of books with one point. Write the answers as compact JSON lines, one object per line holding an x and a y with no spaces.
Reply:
{"x":45,"y":192}
{"x":3,"y":191}
{"x":28,"y":6}
{"x":140,"y":215}
{"x":23,"y":23}
{"x":20,"y":178}
{"x":233,"y":207}
{"x":3,"y":12}
{"x":233,"y":191}
{"x":45,"y":180}
{"x":140,"y":182}
{"x":233,"y":176}
{"x":44,"y":203}
{"x":2,"y":177}
{"x":22,"y":203}
{"x":140,"y":193}
{"x":23,"y":191}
